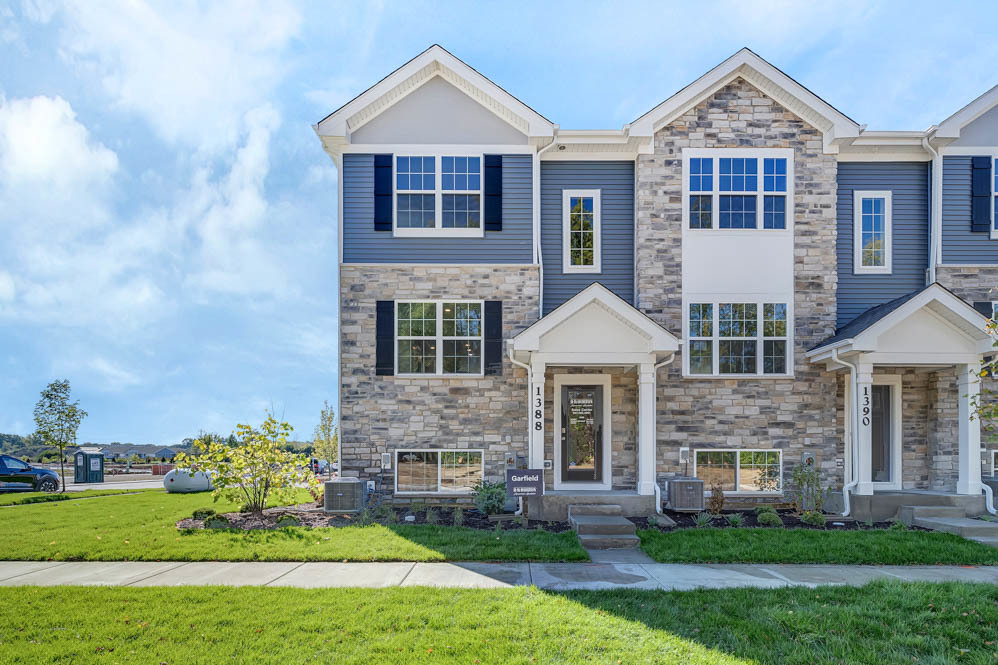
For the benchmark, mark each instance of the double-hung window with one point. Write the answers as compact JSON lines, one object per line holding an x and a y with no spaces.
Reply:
{"x":439,"y":337}
{"x":580,"y":231}
{"x":738,"y":339}
{"x":442,"y":193}
{"x":438,"y":471}
{"x":733,"y":188}
{"x":740,"y":470}
{"x":872,"y":232}
{"x":994,"y":199}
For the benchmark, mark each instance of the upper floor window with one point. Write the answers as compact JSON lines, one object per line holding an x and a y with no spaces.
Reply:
{"x":737,"y":188}
{"x":738,"y":339}
{"x":581,"y":231}
{"x":872,"y":232}
{"x":438,"y":192}
{"x":438,"y":337}
{"x":994,"y":197}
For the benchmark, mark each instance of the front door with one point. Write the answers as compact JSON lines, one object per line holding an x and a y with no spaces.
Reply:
{"x":582,"y":434}
{"x":882,"y":442}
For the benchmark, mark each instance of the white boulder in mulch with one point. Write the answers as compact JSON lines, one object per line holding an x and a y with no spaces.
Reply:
{"x":181,"y":480}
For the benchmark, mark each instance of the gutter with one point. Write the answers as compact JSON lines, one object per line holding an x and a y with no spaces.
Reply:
{"x":519,"y":509}
{"x":853,"y":431}
{"x":538,"y":256}
{"x":935,"y":199}
{"x":658,"y":490}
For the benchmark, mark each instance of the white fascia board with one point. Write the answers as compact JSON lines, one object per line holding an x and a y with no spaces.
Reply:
{"x":335,"y":124}
{"x":951,"y":126}
{"x":769,"y":80}
{"x":660,"y":340}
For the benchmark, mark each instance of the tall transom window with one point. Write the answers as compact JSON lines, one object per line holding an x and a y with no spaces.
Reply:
{"x":737,"y":188}
{"x":581,"y":229}
{"x":872,"y":232}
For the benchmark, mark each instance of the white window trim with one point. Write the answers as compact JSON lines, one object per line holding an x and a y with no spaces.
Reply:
{"x":760,"y":339}
{"x":440,"y":338}
{"x":738,"y":466}
{"x":994,"y":196}
{"x":603,"y":380}
{"x":747,"y":153}
{"x":566,"y":264}
{"x":857,"y":232}
{"x":994,"y":455}
{"x":438,"y":492}
{"x":438,"y":231}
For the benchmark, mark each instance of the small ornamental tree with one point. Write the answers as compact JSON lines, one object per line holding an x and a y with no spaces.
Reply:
{"x":985,"y":405}
{"x":57,"y":420}
{"x":325,"y":438}
{"x":255,"y":468}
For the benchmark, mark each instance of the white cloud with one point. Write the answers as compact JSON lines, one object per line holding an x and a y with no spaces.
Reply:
{"x":191,"y":70}
{"x":7,"y":289}
{"x":112,"y":376}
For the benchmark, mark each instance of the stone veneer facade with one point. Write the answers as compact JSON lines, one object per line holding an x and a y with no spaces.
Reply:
{"x":791,"y":414}
{"x":380,"y":414}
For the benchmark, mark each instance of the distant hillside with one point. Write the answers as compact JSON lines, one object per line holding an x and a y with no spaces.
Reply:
{"x":12,"y":442}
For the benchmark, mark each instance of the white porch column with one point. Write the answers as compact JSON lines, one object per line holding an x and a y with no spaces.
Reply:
{"x":646,"y":429}
{"x":969,"y":451}
{"x":535,"y":448}
{"x":864,"y":442}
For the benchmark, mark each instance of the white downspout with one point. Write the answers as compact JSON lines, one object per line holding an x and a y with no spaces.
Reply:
{"x":538,"y":255}
{"x":935,"y":209}
{"x":658,"y":490}
{"x":853,"y":431}
{"x":519,"y":510}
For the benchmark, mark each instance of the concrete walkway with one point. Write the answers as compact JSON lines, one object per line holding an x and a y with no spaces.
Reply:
{"x":552,"y":576}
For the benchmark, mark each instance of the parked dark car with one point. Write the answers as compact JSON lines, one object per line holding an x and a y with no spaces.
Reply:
{"x":19,"y":476}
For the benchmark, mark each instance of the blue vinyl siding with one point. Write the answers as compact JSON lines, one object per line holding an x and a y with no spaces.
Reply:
{"x":960,"y":245}
{"x":615,"y":180}
{"x":908,"y":184}
{"x":362,"y":244}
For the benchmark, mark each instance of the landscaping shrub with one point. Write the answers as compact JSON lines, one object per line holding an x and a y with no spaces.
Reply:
{"x":703,"y":520}
{"x":432,"y":516}
{"x":216,"y":522}
{"x":764,"y":508}
{"x":715,"y":504}
{"x":805,"y":488}
{"x":769,"y":519}
{"x":897,"y":526}
{"x":490,"y":497}
{"x":813,"y":518}
{"x":203,"y":513}
{"x":257,"y":467}
{"x":735,"y":519}
{"x":288,"y":520}
{"x":458,"y":517}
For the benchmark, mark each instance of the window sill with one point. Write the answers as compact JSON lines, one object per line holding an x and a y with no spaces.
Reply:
{"x":873,"y":271}
{"x":439,"y":233}
{"x":738,"y":232}
{"x":749,"y":493}
{"x":434,"y":494}
{"x":737,"y":376}
{"x":440,"y":376}
{"x":575,"y":270}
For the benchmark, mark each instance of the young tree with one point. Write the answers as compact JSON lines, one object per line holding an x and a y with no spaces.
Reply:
{"x":255,"y":468}
{"x":57,"y":420}
{"x":325,"y":438}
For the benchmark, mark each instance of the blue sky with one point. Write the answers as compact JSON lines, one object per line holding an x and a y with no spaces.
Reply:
{"x":167,"y":217}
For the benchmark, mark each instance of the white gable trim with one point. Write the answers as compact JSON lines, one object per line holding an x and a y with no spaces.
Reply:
{"x":945,"y":307}
{"x":950,"y":127}
{"x":659,"y":339}
{"x":434,"y":61}
{"x":767,"y":78}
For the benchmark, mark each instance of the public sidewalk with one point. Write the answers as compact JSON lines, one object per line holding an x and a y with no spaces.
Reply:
{"x":552,"y":576}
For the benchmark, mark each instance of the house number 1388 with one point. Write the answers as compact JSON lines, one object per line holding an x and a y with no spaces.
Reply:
{"x":538,"y":410}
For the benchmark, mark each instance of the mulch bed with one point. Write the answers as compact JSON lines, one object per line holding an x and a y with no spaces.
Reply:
{"x":789,"y":517}
{"x":308,"y":516}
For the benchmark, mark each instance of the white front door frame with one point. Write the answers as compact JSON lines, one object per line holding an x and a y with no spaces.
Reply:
{"x":897,"y":432}
{"x":603,"y":380}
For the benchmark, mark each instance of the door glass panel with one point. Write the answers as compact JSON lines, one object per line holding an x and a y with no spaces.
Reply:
{"x":582,"y":433}
{"x":882,"y":449}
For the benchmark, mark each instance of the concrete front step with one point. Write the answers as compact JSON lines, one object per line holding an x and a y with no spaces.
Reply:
{"x":608,"y":542}
{"x":578,"y":509}
{"x":990,"y":542}
{"x":602,"y":525}
{"x":908,"y":514}
{"x":961,"y":526}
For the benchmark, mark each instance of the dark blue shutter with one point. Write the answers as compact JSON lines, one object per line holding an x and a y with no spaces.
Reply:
{"x":493,"y":192}
{"x":384,"y":331}
{"x":492,"y":354}
{"x":382,"y":192}
{"x":984,"y":307}
{"x":980,"y":220}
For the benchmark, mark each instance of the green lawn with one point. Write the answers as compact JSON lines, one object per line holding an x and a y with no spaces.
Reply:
{"x":813,"y":546}
{"x":887,"y":623}
{"x":141,"y":527}
{"x":22,"y":498}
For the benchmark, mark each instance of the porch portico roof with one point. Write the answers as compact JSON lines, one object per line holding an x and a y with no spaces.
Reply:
{"x":932,"y":326}
{"x":595,"y":326}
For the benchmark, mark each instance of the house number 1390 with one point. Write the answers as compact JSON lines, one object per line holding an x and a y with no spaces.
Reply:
{"x":866,"y":406}
{"x":538,"y":410}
